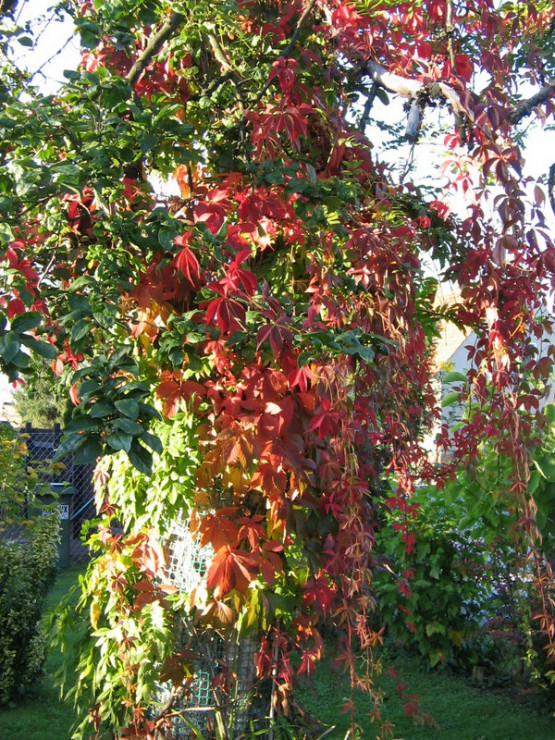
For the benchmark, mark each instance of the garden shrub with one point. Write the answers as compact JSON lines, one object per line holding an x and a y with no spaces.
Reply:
{"x":431,"y":592}
{"x":28,"y":556}
{"x":494,"y":653}
{"x":456,"y":583}
{"x":27,"y":570}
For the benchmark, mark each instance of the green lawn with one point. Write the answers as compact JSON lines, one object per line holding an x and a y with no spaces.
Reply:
{"x":459,"y":711}
{"x":454,"y":709}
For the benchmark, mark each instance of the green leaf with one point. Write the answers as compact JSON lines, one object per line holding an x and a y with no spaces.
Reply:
{"x":140,"y":458}
{"x":88,"y":451}
{"x":549,"y":411}
{"x":449,"y":399}
{"x":87,"y":388}
{"x":128,"y":407}
{"x":454,"y":377}
{"x":80,"y":283}
{"x":546,"y":466}
{"x":26,"y":321}
{"x":311,"y":172}
{"x":21,"y":360}
{"x":194,"y":337}
{"x":435,"y":628}
{"x":382,"y":95}
{"x":148,"y":412}
{"x":128,"y":426}
{"x":81,"y":424}
{"x":153,"y":442}
{"x":68,"y":445}
{"x":120,"y":441}
{"x":166,"y":237}
{"x":40,"y":348}
{"x":80,"y":329}
{"x":9,"y":348}
{"x":121,"y":354}
{"x":136,"y":388}
{"x":101,"y":409}
{"x":89,"y":32}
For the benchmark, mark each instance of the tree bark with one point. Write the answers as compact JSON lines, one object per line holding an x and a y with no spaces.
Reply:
{"x":525,"y":109}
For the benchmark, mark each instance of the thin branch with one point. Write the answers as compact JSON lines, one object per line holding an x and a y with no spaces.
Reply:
{"x":414,"y":89}
{"x":551,"y":187}
{"x":293,"y":41}
{"x":154,"y":45}
{"x":219,"y":54}
{"x":291,"y":45}
{"x":525,"y":109}
{"x":51,"y":58}
{"x":365,"y":118}
{"x":418,"y":93}
{"x":449,"y":30}
{"x":408,"y":163}
{"x":414,"y":120}
{"x":47,"y":269}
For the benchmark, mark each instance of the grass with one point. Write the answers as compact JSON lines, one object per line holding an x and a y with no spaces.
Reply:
{"x":449,"y":708}
{"x":458,"y":711}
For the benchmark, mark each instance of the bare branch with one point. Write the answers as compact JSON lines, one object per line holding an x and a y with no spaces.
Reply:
{"x":368,"y":107}
{"x":293,"y":40}
{"x":414,"y":89}
{"x":525,"y":109}
{"x":408,"y":88}
{"x":414,"y":121}
{"x":154,"y":46}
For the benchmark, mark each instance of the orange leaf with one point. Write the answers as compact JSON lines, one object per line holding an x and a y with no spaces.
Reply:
{"x":230,"y":569}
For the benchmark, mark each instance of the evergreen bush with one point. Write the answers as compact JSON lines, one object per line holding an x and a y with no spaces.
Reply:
{"x":27,"y":569}
{"x":28,"y":556}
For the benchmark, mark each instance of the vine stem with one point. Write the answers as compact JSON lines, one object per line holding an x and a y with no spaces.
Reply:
{"x":154,"y":45}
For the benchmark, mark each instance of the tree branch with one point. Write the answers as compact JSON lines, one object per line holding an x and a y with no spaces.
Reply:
{"x":154,"y":46}
{"x":414,"y":120}
{"x":417,"y":92}
{"x":414,"y":89}
{"x":408,"y":88}
{"x":364,"y":119}
{"x":551,"y":187}
{"x":525,"y":109}
{"x":291,"y":45}
{"x":293,"y":40}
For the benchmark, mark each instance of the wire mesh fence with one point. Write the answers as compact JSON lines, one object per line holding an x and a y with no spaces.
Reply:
{"x":223,"y":687}
{"x":41,"y":447}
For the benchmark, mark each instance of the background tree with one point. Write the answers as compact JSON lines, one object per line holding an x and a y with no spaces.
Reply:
{"x":43,"y":400}
{"x":269,"y":330}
